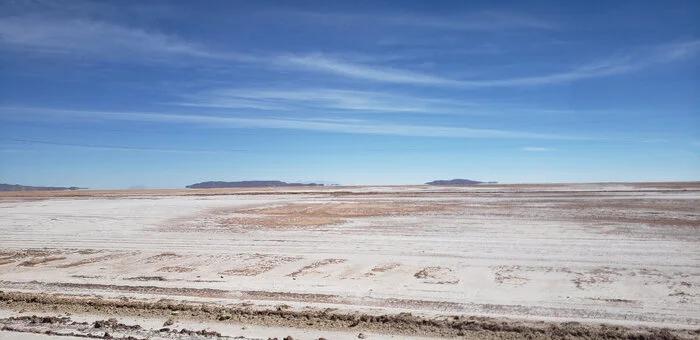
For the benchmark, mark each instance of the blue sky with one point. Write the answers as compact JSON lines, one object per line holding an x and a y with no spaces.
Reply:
{"x":168,"y":93}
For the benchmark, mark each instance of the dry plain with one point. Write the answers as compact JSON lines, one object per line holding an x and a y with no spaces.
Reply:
{"x":610,"y":260}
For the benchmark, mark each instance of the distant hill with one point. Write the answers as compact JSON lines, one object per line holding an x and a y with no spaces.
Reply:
{"x":17,"y":187}
{"x":457,"y":181}
{"x":247,"y":184}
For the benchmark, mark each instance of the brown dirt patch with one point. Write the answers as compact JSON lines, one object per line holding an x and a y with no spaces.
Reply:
{"x":40,"y":260}
{"x":89,"y":251}
{"x":90,"y":260}
{"x":651,"y":212}
{"x":509,"y":275}
{"x":264,"y":264}
{"x":146,"y":278}
{"x":348,"y":209}
{"x":281,"y":221}
{"x":28,"y":253}
{"x":383,"y":268}
{"x":470,"y":327}
{"x":615,"y":301}
{"x":156,"y":290}
{"x":176,"y":269}
{"x":299,"y":297}
{"x":436,"y":275}
{"x":317,"y":214}
{"x":162,"y":257}
{"x":87,"y":276}
{"x":37,"y":256}
{"x":311,"y":268}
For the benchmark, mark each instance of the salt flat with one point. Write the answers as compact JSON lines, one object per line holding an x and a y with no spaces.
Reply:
{"x":624,"y":254}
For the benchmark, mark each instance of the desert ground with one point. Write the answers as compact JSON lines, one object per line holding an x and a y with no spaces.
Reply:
{"x":615,"y":260}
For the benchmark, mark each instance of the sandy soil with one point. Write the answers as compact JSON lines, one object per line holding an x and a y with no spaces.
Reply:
{"x":626,"y":255}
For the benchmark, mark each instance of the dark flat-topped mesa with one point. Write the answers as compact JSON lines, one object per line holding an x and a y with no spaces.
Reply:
{"x":17,"y":187}
{"x":457,"y":181}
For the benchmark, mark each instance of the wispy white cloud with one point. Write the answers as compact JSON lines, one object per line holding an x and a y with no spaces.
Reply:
{"x":325,"y":100}
{"x":84,"y":37}
{"x":222,"y":101}
{"x":676,"y":51}
{"x":594,"y":70}
{"x":373,"y":128}
{"x":654,"y":140}
{"x":486,"y":21}
{"x":318,"y":62}
{"x":338,"y":120}
{"x":85,"y":8}
{"x":100,"y":147}
{"x":482,"y":21}
{"x":603,"y":68}
{"x":537,"y":149}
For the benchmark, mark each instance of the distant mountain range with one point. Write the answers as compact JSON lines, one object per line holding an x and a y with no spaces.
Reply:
{"x":248,"y":184}
{"x":457,"y":181}
{"x":17,"y":187}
